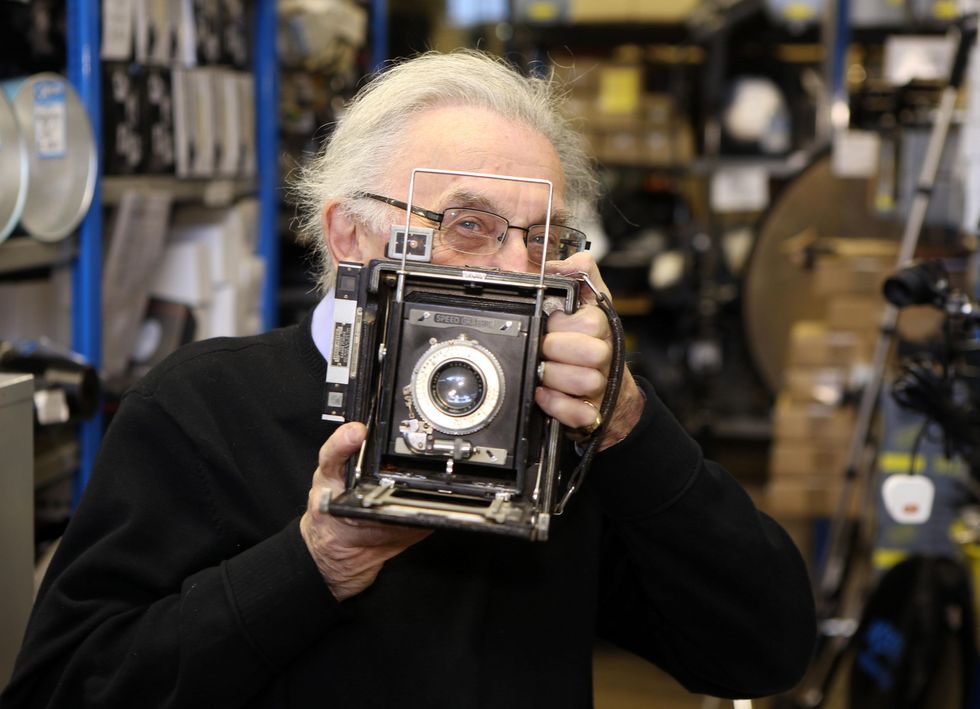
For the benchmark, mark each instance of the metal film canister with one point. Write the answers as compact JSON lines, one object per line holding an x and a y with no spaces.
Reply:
{"x":61,"y":159}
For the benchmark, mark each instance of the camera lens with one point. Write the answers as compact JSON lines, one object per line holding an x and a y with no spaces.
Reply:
{"x":457,"y":388}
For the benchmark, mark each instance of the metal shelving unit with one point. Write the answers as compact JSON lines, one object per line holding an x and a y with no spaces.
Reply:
{"x":27,"y":254}
{"x":218,"y":192}
{"x":84,"y":71}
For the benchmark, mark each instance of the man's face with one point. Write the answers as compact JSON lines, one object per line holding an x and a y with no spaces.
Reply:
{"x":475,"y":140}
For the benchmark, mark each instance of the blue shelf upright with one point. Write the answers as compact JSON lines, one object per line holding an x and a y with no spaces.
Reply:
{"x":266,"y":70}
{"x":84,"y":73}
{"x":379,"y":34}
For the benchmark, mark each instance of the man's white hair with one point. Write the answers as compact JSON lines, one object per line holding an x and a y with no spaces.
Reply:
{"x":369,"y":135}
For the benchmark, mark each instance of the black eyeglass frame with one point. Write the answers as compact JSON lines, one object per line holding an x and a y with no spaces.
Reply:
{"x":438,"y":218}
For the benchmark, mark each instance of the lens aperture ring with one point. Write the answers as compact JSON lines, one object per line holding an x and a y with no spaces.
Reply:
{"x":458,"y":386}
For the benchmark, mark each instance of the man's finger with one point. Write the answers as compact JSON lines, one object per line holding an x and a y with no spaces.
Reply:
{"x":574,"y":380}
{"x":588,"y":320}
{"x":342,"y":444}
{"x":576,"y":349}
{"x":571,"y":411}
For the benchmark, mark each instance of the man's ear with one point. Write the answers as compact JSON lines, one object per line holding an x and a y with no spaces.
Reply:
{"x":342,"y":234}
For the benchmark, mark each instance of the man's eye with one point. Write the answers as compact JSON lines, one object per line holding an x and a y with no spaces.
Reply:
{"x":474,"y":225}
{"x":470,"y":225}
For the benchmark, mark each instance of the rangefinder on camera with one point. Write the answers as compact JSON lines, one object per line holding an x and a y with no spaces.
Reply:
{"x":441,"y":364}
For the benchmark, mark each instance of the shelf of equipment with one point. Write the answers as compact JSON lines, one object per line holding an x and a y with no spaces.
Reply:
{"x":84,"y":71}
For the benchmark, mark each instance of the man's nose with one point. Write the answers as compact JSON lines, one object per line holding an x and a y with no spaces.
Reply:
{"x":512,"y":254}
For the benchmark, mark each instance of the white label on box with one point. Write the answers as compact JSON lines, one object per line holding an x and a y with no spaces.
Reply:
{"x":924,"y":58}
{"x":856,"y":153}
{"x":117,"y":29}
{"x":50,"y":128}
{"x":740,"y":189}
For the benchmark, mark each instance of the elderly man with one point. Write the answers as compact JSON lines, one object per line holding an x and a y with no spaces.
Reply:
{"x":200,"y":571}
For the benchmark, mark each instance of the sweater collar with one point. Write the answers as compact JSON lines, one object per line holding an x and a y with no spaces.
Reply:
{"x":307,"y":343}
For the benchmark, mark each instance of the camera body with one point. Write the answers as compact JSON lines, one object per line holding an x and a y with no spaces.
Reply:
{"x":441,"y":364}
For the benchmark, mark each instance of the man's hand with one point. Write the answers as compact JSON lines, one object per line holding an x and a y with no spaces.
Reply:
{"x":578,"y":352}
{"x":348,"y":552}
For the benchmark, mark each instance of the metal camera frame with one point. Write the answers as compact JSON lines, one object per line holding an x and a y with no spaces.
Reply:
{"x":521,"y":506}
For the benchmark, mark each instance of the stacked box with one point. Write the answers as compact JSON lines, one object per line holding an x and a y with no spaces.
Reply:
{"x":654,"y":11}
{"x":158,"y":121}
{"x":209,"y":265}
{"x":812,"y":425}
{"x":214,"y":122}
{"x":813,"y":417}
{"x":814,"y":421}
{"x":850,"y":284}
{"x":123,"y":141}
{"x":624,"y":122}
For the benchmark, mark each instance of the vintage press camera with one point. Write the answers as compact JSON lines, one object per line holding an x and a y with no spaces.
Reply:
{"x":441,"y":363}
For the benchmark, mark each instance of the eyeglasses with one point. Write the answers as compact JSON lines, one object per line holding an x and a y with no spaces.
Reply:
{"x":480,"y":233}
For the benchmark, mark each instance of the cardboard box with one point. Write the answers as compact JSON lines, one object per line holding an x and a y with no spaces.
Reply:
{"x":814,"y":344}
{"x":800,"y":458}
{"x":222,"y":231}
{"x":854,"y":313}
{"x":599,"y":10}
{"x":824,"y":385}
{"x":185,"y":275}
{"x":582,"y":106}
{"x":658,"y":109}
{"x":859,"y":275}
{"x":805,"y":498}
{"x":624,"y":147}
{"x":812,"y":421}
{"x":669,"y":145}
{"x":665,"y":11}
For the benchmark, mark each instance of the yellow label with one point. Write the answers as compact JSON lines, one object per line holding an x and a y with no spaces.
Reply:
{"x":900,"y":463}
{"x":542,"y":11}
{"x":887,"y":558}
{"x":798,"y":11}
{"x":619,"y":90}
{"x":944,"y":10}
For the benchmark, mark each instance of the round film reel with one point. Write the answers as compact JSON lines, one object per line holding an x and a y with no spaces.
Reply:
{"x":457,"y":386}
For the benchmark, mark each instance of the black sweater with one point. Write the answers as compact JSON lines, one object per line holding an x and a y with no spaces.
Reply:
{"x":183,"y":581}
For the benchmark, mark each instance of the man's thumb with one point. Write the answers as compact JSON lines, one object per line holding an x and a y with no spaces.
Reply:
{"x":342,"y":444}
